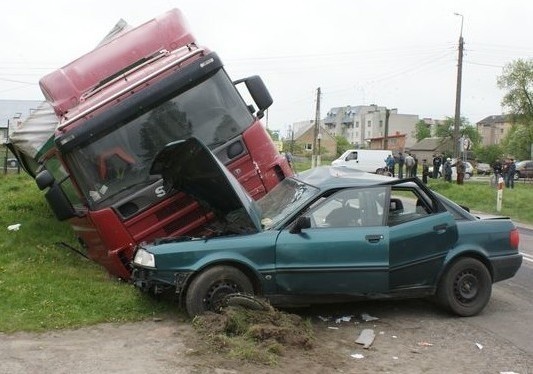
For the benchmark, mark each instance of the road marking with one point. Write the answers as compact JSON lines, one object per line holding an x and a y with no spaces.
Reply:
{"x":527,"y":257}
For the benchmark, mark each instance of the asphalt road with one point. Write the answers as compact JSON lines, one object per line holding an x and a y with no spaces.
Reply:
{"x":510,"y":311}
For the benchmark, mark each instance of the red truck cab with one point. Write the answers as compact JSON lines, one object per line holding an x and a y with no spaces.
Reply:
{"x":117,"y":107}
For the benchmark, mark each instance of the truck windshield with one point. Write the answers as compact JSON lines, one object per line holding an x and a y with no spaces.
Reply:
{"x":116,"y":164}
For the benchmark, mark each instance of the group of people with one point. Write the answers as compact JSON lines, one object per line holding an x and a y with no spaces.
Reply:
{"x":447,"y":171}
{"x":506,"y":170}
{"x":407,"y":161}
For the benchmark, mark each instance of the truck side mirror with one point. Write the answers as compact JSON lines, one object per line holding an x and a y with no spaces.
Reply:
{"x":44,"y":179}
{"x":59,"y":203}
{"x":259,"y":93}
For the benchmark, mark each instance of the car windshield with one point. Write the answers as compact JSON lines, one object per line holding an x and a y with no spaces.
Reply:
{"x":288,"y":196}
{"x":112,"y":166}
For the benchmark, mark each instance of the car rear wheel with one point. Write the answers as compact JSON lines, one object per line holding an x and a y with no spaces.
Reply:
{"x":208,"y":290}
{"x":465,"y":288}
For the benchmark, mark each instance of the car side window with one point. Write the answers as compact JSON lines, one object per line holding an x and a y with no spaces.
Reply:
{"x":406,"y":205}
{"x":349,"y":208}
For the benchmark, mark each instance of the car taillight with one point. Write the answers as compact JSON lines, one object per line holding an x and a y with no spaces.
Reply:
{"x":514,"y":238}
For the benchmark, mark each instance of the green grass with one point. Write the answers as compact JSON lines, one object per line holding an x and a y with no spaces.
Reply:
{"x":480,"y":196}
{"x":44,"y":286}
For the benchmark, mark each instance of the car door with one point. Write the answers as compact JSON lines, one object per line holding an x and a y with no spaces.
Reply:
{"x":421,"y":234}
{"x":345,"y":251}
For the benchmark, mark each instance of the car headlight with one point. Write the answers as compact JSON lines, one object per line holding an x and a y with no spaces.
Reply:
{"x":144,"y":258}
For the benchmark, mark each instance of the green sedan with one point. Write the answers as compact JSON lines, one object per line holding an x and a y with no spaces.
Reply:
{"x":330,"y":234}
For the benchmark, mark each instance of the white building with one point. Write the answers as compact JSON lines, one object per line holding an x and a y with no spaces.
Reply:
{"x":361,"y":123}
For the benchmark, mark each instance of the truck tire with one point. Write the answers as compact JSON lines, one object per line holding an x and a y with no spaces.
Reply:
{"x":208,"y":289}
{"x":465,"y":288}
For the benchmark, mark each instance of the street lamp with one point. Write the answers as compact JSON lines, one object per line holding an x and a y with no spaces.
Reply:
{"x":318,"y":160}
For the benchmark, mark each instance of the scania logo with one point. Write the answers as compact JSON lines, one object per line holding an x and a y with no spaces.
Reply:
{"x":160,"y":191}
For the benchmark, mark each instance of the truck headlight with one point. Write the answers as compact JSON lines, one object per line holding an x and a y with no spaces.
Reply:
{"x":144,"y":258}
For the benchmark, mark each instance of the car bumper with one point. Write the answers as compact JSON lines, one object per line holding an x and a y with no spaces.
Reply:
{"x":153,"y":281}
{"x":505,"y":267}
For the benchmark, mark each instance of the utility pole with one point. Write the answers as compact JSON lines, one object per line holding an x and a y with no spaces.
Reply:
{"x":457,"y":121}
{"x":316,"y":129}
{"x":386,"y":137}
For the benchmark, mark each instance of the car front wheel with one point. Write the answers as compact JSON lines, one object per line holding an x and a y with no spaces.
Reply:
{"x":465,"y":288}
{"x":208,"y":290}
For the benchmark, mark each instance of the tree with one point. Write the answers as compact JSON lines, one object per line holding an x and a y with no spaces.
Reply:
{"x":489,"y":153}
{"x":422,"y":130}
{"x":445,"y":130}
{"x":274,"y":134}
{"x":517,"y":79}
{"x":517,"y":142}
{"x":342,"y":145}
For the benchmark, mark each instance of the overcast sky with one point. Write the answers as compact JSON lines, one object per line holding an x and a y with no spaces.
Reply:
{"x":398,"y":53}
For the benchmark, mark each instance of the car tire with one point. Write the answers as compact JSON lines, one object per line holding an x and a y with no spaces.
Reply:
{"x":465,"y":288}
{"x":468,"y":176}
{"x":516,"y":176}
{"x":207,"y":290}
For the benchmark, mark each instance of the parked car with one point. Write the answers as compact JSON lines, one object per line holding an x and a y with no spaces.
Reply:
{"x":483,"y":169}
{"x":469,"y":170}
{"x":330,"y":234}
{"x":524,"y":169}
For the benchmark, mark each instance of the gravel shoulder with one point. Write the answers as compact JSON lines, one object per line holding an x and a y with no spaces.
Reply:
{"x":411,"y":337}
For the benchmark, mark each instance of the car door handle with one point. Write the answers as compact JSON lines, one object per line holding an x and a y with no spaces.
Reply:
{"x":373,"y":238}
{"x":440,"y":229}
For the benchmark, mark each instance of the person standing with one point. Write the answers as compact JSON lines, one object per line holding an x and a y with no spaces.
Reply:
{"x":389,"y":161}
{"x":447,"y":168}
{"x":425,"y":171}
{"x":415,"y":167}
{"x":409,"y":164}
{"x":437,"y":162}
{"x":460,"y":167}
{"x":401,"y":161}
{"x":511,"y":171}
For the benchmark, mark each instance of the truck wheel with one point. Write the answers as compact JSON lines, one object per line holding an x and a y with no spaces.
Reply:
{"x":465,"y":288}
{"x":207,"y":291}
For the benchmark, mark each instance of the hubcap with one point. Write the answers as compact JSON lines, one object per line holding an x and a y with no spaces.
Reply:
{"x":215,"y":295}
{"x":466,"y":286}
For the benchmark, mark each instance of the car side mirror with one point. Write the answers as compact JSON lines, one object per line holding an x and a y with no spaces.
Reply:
{"x":302,"y":222}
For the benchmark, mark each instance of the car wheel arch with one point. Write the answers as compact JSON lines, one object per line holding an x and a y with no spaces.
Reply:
{"x":449,"y":262}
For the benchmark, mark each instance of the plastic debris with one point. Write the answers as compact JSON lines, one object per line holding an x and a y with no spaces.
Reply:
{"x":367,"y":317}
{"x":333,"y":328}
{"x":324,"y":319}
{"x":394,"y":357}
{"x":394,"y":337}
{"x":357,"y":355}
{"x":479,"y":346}
{"x":343,"y":319}
{"x":508,"y":372}
{"x":366,"y":338}
{"x":425,"y":344}
{"x":14,"y":227}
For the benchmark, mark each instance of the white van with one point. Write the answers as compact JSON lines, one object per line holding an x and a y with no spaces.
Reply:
{"x":369,"y":160}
